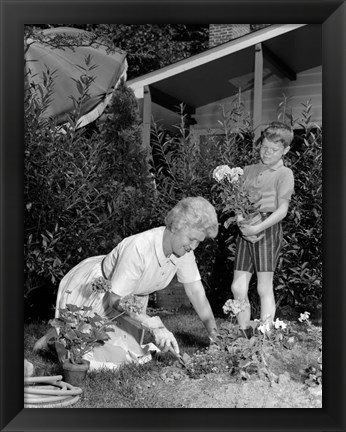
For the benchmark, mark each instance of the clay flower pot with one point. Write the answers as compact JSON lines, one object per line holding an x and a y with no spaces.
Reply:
{"x":75,"y":373}
{"x":253,"y":219}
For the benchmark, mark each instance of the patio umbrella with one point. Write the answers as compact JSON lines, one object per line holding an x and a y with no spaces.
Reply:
{"x":66,"y":63}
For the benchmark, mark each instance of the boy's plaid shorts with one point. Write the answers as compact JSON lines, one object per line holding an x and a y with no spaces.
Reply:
{"x":261,"y":256}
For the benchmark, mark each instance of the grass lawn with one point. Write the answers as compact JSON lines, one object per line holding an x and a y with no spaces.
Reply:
{"x":117,"y":389}
{"x":134,"y":386}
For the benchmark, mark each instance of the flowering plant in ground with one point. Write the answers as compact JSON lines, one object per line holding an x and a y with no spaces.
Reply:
{"x":233,"y":306}
{"x":313,"y":373}
{"x":304,"y":317}
{"x":247,"y":354}
{"x":235,"y":198}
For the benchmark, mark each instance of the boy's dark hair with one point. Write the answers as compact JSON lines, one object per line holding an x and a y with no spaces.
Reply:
{"x":278,"y":132}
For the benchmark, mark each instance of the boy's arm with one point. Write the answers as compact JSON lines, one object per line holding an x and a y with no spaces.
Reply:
{"x":277,"y":216}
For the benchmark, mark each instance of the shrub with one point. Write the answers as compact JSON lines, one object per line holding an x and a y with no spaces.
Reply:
{"x":299,"y":276}
{"x":79,"y":187}
{"x":183,"y":167}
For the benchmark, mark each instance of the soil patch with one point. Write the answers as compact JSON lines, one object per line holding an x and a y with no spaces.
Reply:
{"x":288,"y":386}
{"x":225,"y":391}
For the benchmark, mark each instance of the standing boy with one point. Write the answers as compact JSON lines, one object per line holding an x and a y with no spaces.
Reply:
{"x":275,"y":184}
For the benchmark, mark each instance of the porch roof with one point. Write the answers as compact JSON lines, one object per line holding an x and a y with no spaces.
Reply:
{"x":218,"y":72}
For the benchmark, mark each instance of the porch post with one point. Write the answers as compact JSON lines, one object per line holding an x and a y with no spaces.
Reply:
{"x":258,"y":87}
{"x":146,"y":117}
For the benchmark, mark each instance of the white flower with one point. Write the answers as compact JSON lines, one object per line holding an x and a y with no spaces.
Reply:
{"x":221,"y":171}
{"x":304,"y":316}
{"x":235,"y":173}
{"x":279,"y":324}
{"x":265,"y":327}
{"x":234,"y":306}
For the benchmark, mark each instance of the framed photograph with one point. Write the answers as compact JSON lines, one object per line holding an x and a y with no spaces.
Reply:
{"x":331,"y":15}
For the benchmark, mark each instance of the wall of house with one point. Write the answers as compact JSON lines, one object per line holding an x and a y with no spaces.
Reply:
{"x":173,"y":297}
{"x":221,"y":33}
{"x":308,"y":85}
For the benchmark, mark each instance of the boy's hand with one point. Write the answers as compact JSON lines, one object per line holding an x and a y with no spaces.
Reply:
{"x":249,"y":230}
{"x":253,"y":239}
{"x":250,"y":233}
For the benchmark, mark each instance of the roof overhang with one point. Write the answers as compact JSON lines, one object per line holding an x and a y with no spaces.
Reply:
{"x":217,"y":73}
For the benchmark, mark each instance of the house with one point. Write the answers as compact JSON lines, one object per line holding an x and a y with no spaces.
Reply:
{"x":264,"y":66}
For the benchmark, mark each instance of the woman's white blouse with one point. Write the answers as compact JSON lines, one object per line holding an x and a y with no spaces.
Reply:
{"x":137,"y":265}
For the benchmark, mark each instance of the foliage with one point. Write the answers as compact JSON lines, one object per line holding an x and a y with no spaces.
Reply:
{"x":78,"y":332}
{"x":180,"y":170}
{"x":79,"y":184}
{"x":137,"y":386}
{"x":182,"y":167}
{"x":245,"y":354}
{"x":148,"y":46}
{"x":299,"y":276}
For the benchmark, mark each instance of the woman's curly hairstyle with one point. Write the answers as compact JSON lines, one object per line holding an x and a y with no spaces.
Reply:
{"x":193,"y":213}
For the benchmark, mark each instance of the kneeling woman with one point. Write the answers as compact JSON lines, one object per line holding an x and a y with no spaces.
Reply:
{"x":140,"y":265}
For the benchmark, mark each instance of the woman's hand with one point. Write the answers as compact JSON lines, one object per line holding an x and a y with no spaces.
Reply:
{"x":165,"y":339}
{"x":213,"y":336}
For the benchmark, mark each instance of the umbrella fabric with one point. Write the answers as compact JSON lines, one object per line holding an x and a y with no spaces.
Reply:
{"x":66,"y":66}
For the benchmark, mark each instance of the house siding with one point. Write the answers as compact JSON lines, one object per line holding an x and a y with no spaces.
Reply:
{"x":173,"y":297}
{"x":307,"y":86}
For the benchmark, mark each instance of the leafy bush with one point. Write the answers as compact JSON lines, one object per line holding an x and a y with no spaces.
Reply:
{"x":183,"y":167}
{"x":79,"y":187}
{"x":299,"y":276}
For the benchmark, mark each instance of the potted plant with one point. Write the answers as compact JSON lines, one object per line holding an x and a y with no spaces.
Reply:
{"x":236,"y":198}
{"x":77,"y":334}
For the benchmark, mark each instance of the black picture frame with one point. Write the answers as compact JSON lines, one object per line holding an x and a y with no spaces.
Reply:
{"x":14,"y":14}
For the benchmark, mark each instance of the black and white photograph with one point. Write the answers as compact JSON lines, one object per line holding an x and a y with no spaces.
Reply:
{"x":177,"y":250}
{"x":173,"y":194}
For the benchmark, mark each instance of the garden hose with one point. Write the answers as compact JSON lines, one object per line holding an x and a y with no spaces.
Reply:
{"x":62,"y":404}
{"x":42,"y":379}
{"x":54,"y":392}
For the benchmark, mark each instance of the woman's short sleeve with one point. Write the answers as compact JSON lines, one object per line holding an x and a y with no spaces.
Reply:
{"x":187,"y":269}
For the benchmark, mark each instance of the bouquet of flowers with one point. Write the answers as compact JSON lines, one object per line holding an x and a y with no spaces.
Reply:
{"x":236,"y":199}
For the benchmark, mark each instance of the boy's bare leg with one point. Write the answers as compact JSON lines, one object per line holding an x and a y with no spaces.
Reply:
{"x":266,"y":293}
{"x":240,"y":288}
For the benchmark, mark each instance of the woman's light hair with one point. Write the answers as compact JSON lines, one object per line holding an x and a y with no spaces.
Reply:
{"x":278,"y":132}
{"x":193,"y":213}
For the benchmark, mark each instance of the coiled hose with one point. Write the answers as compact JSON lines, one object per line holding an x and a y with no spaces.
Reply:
{"x":50,"y":392}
